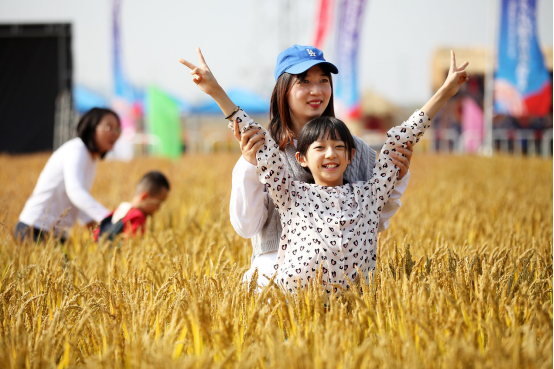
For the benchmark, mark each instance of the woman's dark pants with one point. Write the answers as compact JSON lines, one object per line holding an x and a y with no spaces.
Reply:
{"x":24,"y":232}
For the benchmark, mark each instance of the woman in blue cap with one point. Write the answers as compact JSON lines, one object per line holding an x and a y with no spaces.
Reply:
{"x":303,"y":91}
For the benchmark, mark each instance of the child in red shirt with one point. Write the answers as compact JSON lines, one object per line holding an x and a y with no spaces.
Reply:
{"x":130,"y":218}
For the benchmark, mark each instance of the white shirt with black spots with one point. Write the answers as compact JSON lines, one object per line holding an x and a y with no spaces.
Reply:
{"x":332,"y":228}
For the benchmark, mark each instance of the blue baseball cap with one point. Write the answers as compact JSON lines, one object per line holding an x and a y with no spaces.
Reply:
{"x":298,"y":59}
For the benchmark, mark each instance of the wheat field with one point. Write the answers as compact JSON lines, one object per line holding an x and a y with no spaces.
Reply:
{"x":464,"y":279}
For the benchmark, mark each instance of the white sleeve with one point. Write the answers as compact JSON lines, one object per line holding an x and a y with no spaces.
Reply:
{"x":392,"y":206}
{"x":74,"y":169}
{"x":249,"y":201}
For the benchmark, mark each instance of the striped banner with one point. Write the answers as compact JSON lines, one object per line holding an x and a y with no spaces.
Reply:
{"x":324,"y":22}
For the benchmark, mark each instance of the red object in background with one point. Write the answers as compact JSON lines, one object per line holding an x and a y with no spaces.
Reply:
{"x":137,"y":110}
{"x":324,"y":21}
{"x":374,"y":123}
{"x":355,"y":112}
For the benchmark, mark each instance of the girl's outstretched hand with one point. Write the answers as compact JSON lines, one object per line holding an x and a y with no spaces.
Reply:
{"x":457,"y":76}
{"x":201,"y":74}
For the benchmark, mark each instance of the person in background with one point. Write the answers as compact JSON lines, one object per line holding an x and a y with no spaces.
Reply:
{"x":129,"y":218}
{"x":62,"y":193}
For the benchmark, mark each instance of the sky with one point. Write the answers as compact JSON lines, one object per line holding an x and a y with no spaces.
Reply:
{"x":241,"y":39}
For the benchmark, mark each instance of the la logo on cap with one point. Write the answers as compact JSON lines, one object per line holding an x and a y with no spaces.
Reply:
{"x":310,"y":52}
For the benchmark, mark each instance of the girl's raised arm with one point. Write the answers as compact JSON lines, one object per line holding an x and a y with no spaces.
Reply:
{"x":455,"y":79}
{"x":385,"y":172}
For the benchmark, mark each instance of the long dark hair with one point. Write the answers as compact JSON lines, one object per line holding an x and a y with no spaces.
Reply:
{"x":86,"y":128}
{"x":280,"y":125}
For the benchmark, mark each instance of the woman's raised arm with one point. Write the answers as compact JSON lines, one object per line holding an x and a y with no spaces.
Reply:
{"x":248,"y":204}
{"x":205,"y":80}
{"x":250,"y":141}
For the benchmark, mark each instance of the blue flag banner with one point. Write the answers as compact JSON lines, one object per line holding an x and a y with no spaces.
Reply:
{"x":122,"y":88}
{"x":124,"y":100}
{"x":350,"y":23}
{"x":522,"y":85}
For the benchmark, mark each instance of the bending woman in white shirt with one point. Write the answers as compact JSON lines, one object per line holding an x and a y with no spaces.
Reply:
{"x":62,"y":193}
{"x":303,"y":90}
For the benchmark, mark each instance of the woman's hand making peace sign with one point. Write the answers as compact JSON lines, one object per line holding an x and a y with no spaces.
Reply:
{"x":250,"y":141}
{"x":202,"y":75}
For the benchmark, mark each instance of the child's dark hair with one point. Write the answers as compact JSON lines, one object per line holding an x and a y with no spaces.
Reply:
{"x":324,"y":127}
{"x":152,"y":182}
{"x":86,"y":128}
